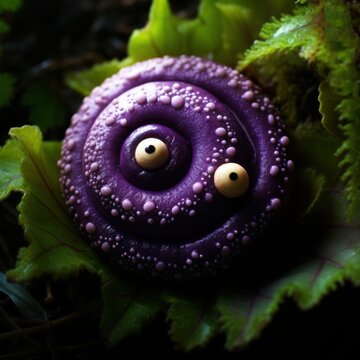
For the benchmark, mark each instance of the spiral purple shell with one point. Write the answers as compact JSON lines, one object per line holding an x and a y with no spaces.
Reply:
{"x":173,"y":220}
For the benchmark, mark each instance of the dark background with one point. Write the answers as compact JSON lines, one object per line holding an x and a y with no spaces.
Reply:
{"x":49,"y":38}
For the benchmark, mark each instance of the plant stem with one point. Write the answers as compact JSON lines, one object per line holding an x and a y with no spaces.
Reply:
{"x":12,"y":324}
{"x":23,"y":355}
{"x":91,"y":308}
{"x":86,"y":345}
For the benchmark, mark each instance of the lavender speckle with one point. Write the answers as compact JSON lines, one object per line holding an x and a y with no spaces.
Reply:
{"x":105,"y":246}
{"x":160,"y":266}
{"x":90,"y":228}
{"x":231,"y":151}
{"x":141,"y":99}
{"x":198,"y":188}
{"x":175,"y":210}
{"x":127,"y":205}
{"x":106,"y":191}
{"x":284,"y":141}
{"x":177,"y":101}
{"x":274,"y":170}
{"x":248,"y":95}
{"x":275,"y":203}
{"x":149,"y":206}
{"x":220,"y":131}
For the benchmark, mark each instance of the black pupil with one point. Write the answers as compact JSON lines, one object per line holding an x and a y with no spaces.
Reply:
{"x":150,"y":149}
{"x":233,"y":176}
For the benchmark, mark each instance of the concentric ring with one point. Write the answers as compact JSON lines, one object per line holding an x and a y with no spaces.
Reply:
{"x":172,"y":221}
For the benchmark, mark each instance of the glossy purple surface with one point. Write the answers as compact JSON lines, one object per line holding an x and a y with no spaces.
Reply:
{"x":172,"y":222}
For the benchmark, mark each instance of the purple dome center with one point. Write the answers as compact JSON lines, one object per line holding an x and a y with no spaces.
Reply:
{"x":164,"y":177}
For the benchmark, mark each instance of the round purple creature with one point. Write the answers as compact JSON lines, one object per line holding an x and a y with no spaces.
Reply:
{"x":174,"y":165}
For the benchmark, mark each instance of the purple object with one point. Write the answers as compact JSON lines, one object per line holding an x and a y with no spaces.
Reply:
{"x":172,"y":221}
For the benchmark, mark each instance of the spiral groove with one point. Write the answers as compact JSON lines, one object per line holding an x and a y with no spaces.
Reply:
{"x":165,"y":215}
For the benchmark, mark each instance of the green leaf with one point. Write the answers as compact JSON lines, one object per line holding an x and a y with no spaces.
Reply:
{"x":10,"y":175}
{"x":194,"y":322}
{"x":323,"y":34}
{"x":160,"y":37}
{"x":222,"y":30}
{"x":204,"y":33}
{"x":295,"y":87}
{"x":84,"y":81}
{"x":285,"y":35}
{"x":340,"y":56}
{"x":333,"y":258}
{"x":128,"y":306}
{"x":10,"y":5}
{"x":314,"y":184}
{"x":315,"y":148}
{"x":328,"y":101}
{"x":46,"y":111}
{"x":244,"y":316}
{"x":236,"y":27}
{"x":241,"y":22}
{"x":4,"y":27}
{"x":55,"y":245}
{"x":7,"y":83}
{"x":22,"y":299}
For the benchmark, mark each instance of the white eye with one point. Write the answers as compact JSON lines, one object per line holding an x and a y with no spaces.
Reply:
{"x":231,"y":180}
{"x":151,"y":153}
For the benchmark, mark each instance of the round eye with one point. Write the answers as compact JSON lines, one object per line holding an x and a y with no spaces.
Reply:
{"x":151,"y":153}
{"x":231,"y":180}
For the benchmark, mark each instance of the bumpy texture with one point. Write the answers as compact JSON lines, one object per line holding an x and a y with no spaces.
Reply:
{"x":172,"y":221}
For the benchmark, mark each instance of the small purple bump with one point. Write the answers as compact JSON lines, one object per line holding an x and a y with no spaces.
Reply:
{"x":275,"y":203}
{"x":160,"y":266}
